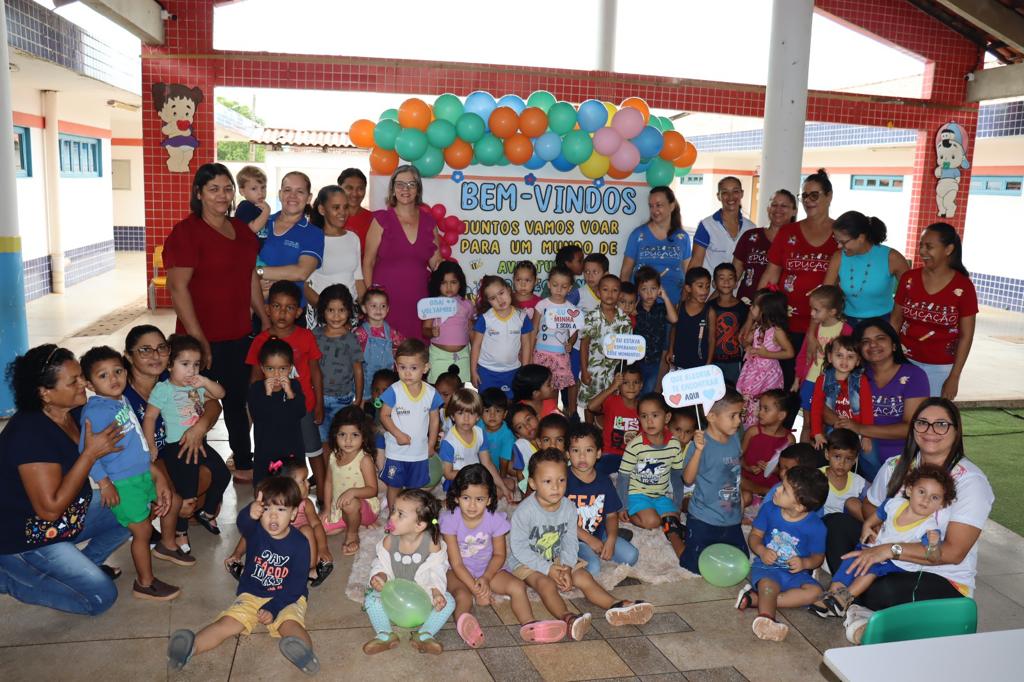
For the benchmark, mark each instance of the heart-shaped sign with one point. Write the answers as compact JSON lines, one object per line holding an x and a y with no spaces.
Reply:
{"x":675,"y":398}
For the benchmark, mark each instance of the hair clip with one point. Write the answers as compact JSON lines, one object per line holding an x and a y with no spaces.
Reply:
{"x":433,"y":522}
{"x":275,"y":466}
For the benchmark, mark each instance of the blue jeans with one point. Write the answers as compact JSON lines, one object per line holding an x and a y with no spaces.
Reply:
{"x":333,"y":404}
{"x":937,"y":375}
{"x":700,"y":535}
{"x":625,"y":553}
{"x":61,"y":577}
{"x":649,"y":371}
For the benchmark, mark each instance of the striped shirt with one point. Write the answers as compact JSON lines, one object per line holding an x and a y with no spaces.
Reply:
{"x":648,"y":465}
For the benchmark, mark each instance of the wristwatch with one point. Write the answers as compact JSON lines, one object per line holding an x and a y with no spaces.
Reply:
{"x":897,"y":551}
{"x":259,"y":272}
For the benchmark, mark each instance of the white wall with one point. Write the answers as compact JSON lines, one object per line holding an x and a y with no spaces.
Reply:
{"x":129,"y":207}
{"x":994,"y":235}
{"x":32,"y":203}
{"x":86,"y":213}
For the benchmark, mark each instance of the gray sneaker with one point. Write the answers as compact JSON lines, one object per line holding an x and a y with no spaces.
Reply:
{"x":175,"y":556}
{"x":157,"y":591}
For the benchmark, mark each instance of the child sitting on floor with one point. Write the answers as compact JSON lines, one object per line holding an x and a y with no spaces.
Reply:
{"x":350,"y":491}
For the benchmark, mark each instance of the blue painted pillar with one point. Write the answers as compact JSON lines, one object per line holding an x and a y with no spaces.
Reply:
{"x":13,"y":323}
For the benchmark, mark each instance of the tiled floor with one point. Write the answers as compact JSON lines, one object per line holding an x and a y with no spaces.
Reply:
{"x":695,"y":635}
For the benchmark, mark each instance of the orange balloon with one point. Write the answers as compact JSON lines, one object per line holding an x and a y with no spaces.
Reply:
{"x":533,"y":122}
{"x":458,"y":154}
{"x":687,"y":158}
{"x":672,"y":146}
{"x":414,"y":113}
{"x":383,"y":161}
{"x":518,"y":148}
{"x":639,"y":105}
{"x":503,"y":123}
{"x":361,"y":133}
{"x":614,"y":172}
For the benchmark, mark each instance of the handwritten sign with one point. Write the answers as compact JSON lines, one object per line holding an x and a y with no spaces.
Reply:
{"x":696,"y":386}
{"x":438,"y":307}
{"x":628,"y":347}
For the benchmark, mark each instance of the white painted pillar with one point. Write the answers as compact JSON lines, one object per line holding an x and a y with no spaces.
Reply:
{"x":606,"y":36}
{"x":13,"y":323}
{"x":51,"y":181}
{"x":785,"y":105}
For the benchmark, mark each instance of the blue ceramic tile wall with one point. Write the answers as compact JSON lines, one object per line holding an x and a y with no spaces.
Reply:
{"x":1006,"y":293}
{"x":129,"y":238}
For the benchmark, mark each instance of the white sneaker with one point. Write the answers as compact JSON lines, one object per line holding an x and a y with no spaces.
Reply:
{"x":857,"y":618}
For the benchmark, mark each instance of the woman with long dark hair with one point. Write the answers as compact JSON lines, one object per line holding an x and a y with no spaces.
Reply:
{"x":660,"y":243}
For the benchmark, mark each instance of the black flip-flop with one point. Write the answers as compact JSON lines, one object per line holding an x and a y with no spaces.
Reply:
{"x":323,"y":569}
{"x":206,"y":521}
{"x":113,"y":572}
{"x":300,"y":655}
{"x":235,"y":568}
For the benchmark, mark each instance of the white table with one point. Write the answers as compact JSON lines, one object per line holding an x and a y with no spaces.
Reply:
{"x":984,"y":657}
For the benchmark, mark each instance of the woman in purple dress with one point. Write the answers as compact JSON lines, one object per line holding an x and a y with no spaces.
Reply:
{"x":401,"y":250}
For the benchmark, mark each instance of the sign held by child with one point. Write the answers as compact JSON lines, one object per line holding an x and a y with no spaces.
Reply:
{"x":437,"y":308}
{"x":628,"y":347}
{"x":695,"y":386}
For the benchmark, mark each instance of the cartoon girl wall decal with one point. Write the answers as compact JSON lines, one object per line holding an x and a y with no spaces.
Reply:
{"x":176,"y":105}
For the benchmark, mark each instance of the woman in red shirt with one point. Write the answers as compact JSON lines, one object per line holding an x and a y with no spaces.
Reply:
{"x":935,"y":310}
{"x":211,"y":276}
{"x":353,"y":183}
{"x":798,"y":259}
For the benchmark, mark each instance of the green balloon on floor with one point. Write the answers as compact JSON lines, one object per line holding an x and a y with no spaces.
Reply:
{"x":723,"y":565}
{"x":436,"y":471}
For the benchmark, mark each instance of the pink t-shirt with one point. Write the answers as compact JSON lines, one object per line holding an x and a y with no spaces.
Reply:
{"x":454,"y":331}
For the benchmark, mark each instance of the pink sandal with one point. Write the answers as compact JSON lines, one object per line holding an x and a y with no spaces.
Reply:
{"x":543,"y":631}
{"x":469,"y":630}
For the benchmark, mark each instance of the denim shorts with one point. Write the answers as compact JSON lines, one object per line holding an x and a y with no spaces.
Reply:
{"x":332,"y":406}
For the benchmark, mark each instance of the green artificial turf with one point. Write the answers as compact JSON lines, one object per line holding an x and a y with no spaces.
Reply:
{"x":994,"y":440}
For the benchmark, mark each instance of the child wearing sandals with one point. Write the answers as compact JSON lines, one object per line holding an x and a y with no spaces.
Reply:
{"x":476,"y":537}
{"x":413,"y":550}
{"x":545,"y":550}
{"x":268,"y":593}
{"x":350,"y":490}
{"x":306,"y":521}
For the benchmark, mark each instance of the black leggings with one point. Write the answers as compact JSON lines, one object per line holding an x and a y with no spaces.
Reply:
{"x":890,"y":590}
{"x":185,"y":476}
{"x":228,"y":368}
{"x":789,"y":366}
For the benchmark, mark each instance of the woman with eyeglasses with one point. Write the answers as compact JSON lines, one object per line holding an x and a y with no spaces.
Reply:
{"x":931,"y":571}
{"x":897,"y":388}
{"x":798,"y":259}
{"x":147,"y":352}
{"x":936,"y":308}
{"x":718,"y":234}
{"x":401,"y":250}
{"x":47,"y":506}
{"x":211,"y":275}
{"x":750,"y":257}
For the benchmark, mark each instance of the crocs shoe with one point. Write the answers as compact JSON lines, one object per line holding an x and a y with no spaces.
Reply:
{"x":300,"y":655}
{"x":180,"y":648}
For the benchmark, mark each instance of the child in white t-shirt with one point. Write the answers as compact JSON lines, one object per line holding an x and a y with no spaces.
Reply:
{"x":501,"y":340}
{"x":844,"y":486}
{"x":465,"y":443}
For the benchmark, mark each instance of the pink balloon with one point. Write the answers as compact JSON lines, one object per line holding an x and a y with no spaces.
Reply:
{"x":438,"y":211}
{"x":626,"y":157}
{"x":628,"y":122}
{"x":450,"y":223}
{"x":607,"y":141}
{"x":446,"y":250}
{"x":450,"y":238}
{"x":460,"y":227}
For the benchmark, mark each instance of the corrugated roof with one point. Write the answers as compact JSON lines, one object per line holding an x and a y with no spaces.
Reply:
{"x":302,"y":138}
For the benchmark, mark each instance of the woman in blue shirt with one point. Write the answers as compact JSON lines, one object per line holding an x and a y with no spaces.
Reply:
{"x":660,"y":243}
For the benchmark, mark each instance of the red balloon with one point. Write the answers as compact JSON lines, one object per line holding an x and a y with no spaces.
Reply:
{"x":450,"y":223}
{"x":518,"y":148}
{"x":446,"y":250}
{"x":460,"y":227}
{"x":451,"y":238}
{"x":438,"y":211}
{"x":503,"y":123}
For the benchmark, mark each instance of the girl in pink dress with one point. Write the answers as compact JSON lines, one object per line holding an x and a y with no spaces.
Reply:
{"x":766,"y":344}
{"x":401,"y":250}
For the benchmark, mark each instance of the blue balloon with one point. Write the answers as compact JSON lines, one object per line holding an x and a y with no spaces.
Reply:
{"x":648,"y":142}
{"x":592,"y":115}
{"x":534,"y":163}
{"x":642,"y":166}
{"x":561,"y":164}
{"x":480,"y":103}
{"x":548,"y":146}
{"x":513,"y":102}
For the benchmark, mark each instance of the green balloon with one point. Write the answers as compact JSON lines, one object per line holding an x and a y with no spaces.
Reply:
{"x":489,"y":149}
{"x":406,"y":604}
{"x":431,"y":163}
{"x":723,"y":565}
{"x":656,"y":123}
{"x":411,"y":144}
{"x":577,"y":146}
{"x":436,"y":470}
{"x":391,"y":114}
{"x":682,"y":172}
{"x":441,"y":133}
{"x":659,"y":173}
{"x":448,"y":107}
{"x":561,"y":118}
{"x":666,"y":124}
{"x":385,"y":132}
{"x":503,"y":160}
{"x":470,"y":127}
{"x":542,"y":99}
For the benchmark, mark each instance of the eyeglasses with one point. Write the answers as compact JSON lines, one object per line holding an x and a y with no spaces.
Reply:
{"x":940,"y":427}
{"x":407,"y":185}
{"x":146,"y":351}
{"x":813,"y":196}
{"x":841,"y":242}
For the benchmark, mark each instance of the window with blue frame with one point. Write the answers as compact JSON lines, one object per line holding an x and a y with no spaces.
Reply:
{"x":22,"y":152}
{"x":692,"y":180}
{"x":877,"y":183}
{"x":79,"y":156}
{"x":997,"y":185}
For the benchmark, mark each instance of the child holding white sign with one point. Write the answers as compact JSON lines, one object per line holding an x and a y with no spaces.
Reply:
{"x":598,"y":370}
{"x":556,"y":323}
{"x":449,"y":338}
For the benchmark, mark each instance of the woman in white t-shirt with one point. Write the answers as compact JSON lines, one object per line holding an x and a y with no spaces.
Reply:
{"x":936,"y":438}
{"x":343,"y":258}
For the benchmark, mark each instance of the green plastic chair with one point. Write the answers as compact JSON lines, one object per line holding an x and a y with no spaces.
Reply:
{"x":922,"y":619}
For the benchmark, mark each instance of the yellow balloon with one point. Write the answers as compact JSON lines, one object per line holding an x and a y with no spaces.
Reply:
{"x":596,"y":166}
{"x":611,"y":112}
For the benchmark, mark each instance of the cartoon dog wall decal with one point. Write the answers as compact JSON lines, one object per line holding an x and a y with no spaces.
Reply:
{"x":951,"y":156}
{"x":176,"y":105}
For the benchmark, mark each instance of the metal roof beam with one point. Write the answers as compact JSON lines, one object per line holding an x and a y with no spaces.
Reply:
{"x":992,"y":17}
{"x":142,"y":18}
{"x":1002,"y":81}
